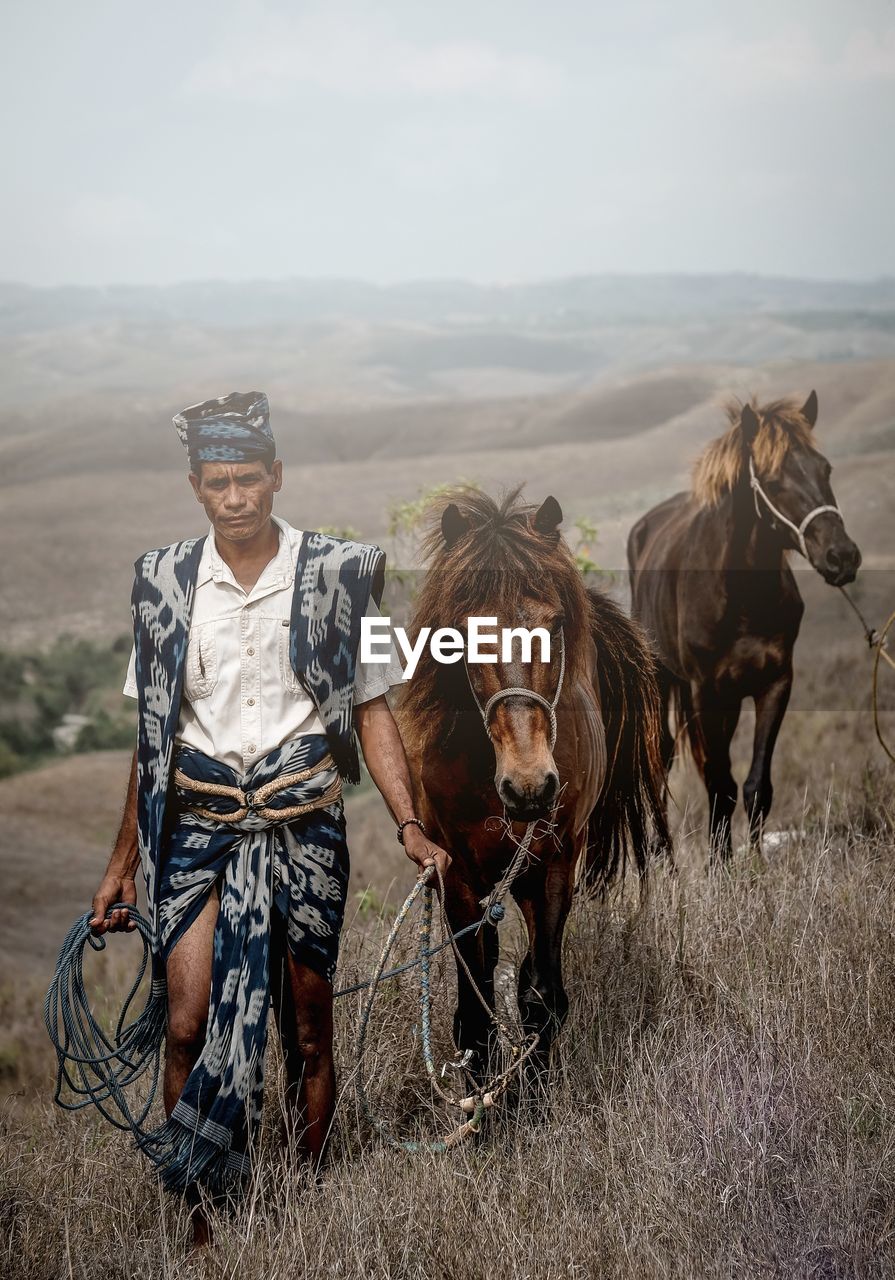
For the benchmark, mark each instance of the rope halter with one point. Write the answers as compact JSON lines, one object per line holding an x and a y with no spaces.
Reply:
{"x":797,"y":529}
{"x":519,"y":691}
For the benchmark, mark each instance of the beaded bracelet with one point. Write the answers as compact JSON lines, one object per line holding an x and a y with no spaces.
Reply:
{"x":416,"y":822}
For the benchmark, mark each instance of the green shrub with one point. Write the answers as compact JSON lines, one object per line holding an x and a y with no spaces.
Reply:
{"x":72,"y":676}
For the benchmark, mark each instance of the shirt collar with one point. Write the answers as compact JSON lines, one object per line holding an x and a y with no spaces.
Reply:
{"x":280,"y":569}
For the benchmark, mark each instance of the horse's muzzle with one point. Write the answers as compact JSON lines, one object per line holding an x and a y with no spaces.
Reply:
{"x":840,"y":563}
{"x":526,"y":802}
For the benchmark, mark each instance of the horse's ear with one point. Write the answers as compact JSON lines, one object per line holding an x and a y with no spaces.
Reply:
{"x":453,"y":525}
{"x":809,"y":409}
{"x":548,"y":516}
{"x":749,"y":424}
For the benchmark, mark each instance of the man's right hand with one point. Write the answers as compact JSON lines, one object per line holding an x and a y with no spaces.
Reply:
{"x":114,"y":888}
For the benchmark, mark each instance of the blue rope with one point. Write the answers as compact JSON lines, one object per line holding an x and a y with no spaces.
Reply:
{"x":96,"y":1068}
{"x":493,"y":915}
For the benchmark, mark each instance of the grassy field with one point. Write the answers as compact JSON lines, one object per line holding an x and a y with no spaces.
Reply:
{"x":723,"y":1103}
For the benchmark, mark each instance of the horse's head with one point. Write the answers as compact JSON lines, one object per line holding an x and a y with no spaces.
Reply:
{"x":790,"y":479}
{"x":516,"y":570}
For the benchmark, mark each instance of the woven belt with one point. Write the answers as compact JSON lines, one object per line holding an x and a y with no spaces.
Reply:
{"x":256,"y":801}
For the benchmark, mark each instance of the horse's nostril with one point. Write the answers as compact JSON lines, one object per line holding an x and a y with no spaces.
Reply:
{"x":528,"y":797}
{"x":833,"y":560}
{"x":509,"y":794}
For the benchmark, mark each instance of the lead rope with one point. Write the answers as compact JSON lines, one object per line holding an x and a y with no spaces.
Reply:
{"x":481,"y":1099}
{"x":876,"y":641}
{"x":475,"y":1104}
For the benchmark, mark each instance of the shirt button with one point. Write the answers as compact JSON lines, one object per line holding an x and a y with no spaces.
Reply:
{"x":250,"y":652}
{"x":251,"y":748}
{"x":285,"y":622}
{"x":250,"y":702}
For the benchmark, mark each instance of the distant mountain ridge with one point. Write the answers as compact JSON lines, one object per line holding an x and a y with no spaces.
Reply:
{"x":320,"y":345}
{"x":579,"y":299}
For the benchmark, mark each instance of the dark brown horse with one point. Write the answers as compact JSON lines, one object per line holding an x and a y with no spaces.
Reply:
{"x":601,"y":784}
{"x":711,"y":585}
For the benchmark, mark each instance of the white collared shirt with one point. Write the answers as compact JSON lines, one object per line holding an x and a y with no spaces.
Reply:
{"x":241,"y":698}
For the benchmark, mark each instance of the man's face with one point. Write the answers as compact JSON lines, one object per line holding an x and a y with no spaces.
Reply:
{"x":237,"y":496}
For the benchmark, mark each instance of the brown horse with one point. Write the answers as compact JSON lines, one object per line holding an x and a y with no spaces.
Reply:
{"x":711,"y":585}
{"x":478,"y":753}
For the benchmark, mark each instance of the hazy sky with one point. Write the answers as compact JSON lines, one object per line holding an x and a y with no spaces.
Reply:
{"x":488,"y":139}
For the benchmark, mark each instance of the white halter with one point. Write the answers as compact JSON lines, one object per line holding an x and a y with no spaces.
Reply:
{"x":798,"y":529}
{"x":519,"y":691}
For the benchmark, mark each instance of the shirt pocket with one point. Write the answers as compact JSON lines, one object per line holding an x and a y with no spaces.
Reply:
{"x":288,"y":677}
{"x":201,"y":674}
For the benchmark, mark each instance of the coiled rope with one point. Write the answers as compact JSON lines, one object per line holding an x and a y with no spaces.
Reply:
{"x":92,"y":1066}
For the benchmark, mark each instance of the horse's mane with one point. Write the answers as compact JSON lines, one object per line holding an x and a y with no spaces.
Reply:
{"x":719,"y":467}
{"x":499,"y":557}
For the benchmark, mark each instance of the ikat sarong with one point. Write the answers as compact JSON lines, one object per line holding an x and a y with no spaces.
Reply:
{"x":263,"y":856}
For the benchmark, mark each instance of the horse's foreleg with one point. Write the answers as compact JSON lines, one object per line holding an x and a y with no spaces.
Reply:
{"x":665,"y":681}
{"x":770,"y":708}
{"x":718,"y":715}
{"x":666,"y":684}
{"x":473,"y":1025}
{"x":544,"y":896}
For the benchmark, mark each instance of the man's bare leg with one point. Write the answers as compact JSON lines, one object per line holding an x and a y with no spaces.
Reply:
{"x":188,"y":974}
{"x":303,"y":1005}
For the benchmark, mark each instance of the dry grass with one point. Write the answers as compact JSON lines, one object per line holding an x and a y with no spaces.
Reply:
{"x":722,"y":1104}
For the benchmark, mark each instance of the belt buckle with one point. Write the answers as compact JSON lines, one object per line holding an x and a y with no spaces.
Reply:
{"x":249,"y":798}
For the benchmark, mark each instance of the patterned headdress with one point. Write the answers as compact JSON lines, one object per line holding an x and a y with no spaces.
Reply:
{"x":234,"y":428}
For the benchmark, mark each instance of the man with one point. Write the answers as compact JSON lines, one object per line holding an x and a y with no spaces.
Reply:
{"x":250,"y":692}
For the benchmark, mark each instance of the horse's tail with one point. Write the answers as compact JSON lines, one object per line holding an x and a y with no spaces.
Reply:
{"x":629,"y":818}
{"x":687,"y":731}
